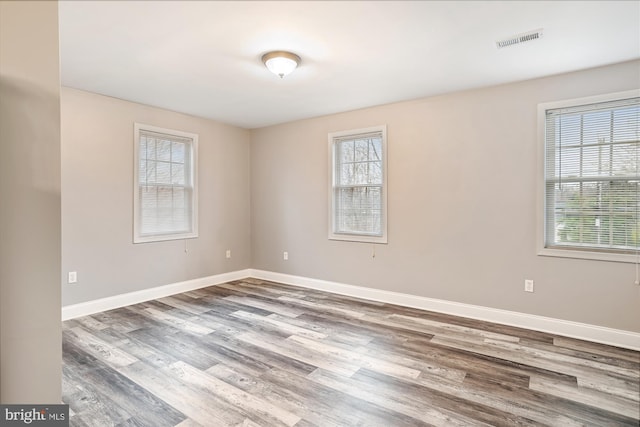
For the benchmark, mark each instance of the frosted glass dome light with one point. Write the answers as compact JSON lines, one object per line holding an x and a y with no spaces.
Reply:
{"x":281,"y":63}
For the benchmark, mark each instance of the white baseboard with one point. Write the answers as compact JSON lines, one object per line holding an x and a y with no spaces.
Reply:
{"x":116,"y":301}
{"x":616,"y":337}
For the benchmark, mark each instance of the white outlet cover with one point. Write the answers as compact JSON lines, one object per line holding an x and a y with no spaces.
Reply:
{"x":528,"y":285}
{"x":73,"y":277}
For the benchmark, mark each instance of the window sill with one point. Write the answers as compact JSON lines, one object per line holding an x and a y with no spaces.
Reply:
{"x":162,"y":238}
{"x":590,"y":255}
{"x":358,"y":238}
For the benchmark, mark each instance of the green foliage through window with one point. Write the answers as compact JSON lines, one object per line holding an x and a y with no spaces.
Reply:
{"x":592,"y":177}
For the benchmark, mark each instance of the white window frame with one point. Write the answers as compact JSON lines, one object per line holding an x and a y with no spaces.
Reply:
{"x":578,"y":253}
{"x":357,"y":237}
{"x":138,"y":237}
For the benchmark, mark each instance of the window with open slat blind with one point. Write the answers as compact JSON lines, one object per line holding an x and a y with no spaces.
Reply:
{"x":592,"y":176}
{"x":358,"y":185}
{"x":165,"y":197}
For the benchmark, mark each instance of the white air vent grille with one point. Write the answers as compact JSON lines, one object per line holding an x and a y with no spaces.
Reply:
{"x":520,"y":38}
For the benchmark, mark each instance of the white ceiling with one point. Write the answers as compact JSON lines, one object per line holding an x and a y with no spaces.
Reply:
{"x":203,"y":57}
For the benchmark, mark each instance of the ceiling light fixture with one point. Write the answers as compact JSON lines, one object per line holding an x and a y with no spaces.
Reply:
{"x":281,"y":63}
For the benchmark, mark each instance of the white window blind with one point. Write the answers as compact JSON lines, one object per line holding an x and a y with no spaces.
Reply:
{"x":592,"y":178}
{"x":165,"y":201}
{"x":358,"y":185}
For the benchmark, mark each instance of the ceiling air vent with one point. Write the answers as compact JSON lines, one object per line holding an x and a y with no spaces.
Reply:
{"x":519,"y":38}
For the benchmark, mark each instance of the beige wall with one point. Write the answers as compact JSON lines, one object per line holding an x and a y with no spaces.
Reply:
{"x":97,"y":200}
{"x":472,"y":242}
{"x":30,"y":350}
{"x":462,"y":204}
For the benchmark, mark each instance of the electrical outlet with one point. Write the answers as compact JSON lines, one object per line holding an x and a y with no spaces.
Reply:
{"x":73,"y":277}
{"x":285,"y":255}
{"x":528,"y":285}
{"x":228,"y":253}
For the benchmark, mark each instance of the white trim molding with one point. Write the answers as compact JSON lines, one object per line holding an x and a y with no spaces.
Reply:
{"x":117,"y":301}
{"x":583,"y":331}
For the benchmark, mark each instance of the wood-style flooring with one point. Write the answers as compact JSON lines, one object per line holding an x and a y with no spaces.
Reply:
{"x":254,"y":353}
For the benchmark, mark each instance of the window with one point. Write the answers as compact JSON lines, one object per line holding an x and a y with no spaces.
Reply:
{"x":592,"y":177}
{"x":165,"y":191}
{"x":358,"y":186}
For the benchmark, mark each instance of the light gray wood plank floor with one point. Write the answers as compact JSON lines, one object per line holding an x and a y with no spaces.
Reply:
{"x":256,"y":353}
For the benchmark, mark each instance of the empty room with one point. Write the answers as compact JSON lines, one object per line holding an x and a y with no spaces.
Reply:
{"x":320,"y":213}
